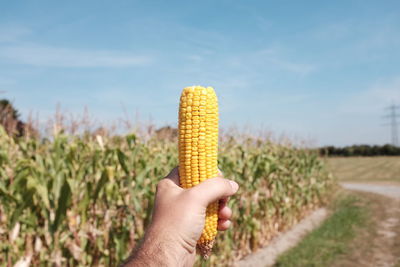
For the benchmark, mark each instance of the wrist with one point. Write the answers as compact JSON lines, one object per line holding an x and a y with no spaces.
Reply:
{"x":159,"y":248}
{"x":169,"y":244}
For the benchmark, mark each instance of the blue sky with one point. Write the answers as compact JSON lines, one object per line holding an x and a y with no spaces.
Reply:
{"x":318,"y":70}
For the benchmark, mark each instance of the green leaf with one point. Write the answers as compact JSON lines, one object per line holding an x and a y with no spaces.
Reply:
{"x":63,"y":203}
{"x":100,"y":185}
{"x":122,"y":160}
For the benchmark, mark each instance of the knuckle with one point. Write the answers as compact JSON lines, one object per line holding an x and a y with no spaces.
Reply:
{"x":223,"y":183}
{"x":191,"y":195}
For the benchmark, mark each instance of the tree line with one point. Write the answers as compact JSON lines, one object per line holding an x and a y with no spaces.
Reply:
{"x":360,"y":150}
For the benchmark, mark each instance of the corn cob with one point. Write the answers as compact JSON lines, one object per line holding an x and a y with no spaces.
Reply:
{"x":198,"y":150}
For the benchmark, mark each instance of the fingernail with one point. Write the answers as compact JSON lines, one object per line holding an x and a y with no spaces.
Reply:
{"x":234,"y":185}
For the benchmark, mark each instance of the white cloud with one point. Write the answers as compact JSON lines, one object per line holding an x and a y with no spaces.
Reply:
{"x":49,"y":56}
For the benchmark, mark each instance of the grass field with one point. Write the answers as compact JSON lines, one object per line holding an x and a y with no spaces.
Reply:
{"x":356,"y":234}
{"x":383,"y":169}
{"x":330,"y":240}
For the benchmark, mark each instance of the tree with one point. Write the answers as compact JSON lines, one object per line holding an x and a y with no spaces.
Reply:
{"x":7,"y":109}
{"x":9,"y":119}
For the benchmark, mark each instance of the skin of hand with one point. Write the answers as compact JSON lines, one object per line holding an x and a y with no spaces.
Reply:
{"x":178,"y":220}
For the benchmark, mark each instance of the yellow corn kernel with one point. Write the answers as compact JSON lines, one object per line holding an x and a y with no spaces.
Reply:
{"x":198,"y":150}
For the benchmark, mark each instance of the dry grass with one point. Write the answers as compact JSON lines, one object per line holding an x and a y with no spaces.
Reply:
{"x":332,"y":239}
{"x":377,"y":244}
{"x":365,"y":169}
{"x":364,"y":230}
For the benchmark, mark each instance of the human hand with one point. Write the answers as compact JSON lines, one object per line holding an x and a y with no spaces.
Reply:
{"x":179,"y":217}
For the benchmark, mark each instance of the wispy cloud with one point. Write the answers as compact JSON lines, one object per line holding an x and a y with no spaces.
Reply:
{"x":296,"y":67}
{"x":372,"y":100}
{"x":252,"y":63}
{"x":274,"y":57}
{"x":195,"y":58}
{"x":337,"y":30}
{"x":385,"y":92}
{"x":10,"y":34}
{"x":357,"y":40}
{"x":5,"y":84}
{"x":50,"y":56}
{"x":6,"y":81}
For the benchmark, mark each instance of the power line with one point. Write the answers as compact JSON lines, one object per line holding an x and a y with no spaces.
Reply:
{"x":393,"y":115}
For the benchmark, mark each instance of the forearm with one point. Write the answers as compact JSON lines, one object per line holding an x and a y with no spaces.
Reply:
{"x":149,"y":256}
{"x":156,"y":250}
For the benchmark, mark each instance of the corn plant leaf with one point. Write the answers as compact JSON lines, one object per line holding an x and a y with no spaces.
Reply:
{"x":122,"y":160}
{"x":100,"y":185}
{"x":63,"y":203}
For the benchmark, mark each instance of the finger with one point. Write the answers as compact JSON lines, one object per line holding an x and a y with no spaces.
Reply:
{"x":225,"y":213}
{"x":214,"y":189}
{"x":174,"y":175}
{"x":223,"y":225}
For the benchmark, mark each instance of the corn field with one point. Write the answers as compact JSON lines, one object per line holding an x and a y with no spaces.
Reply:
{"x":86,"y":200}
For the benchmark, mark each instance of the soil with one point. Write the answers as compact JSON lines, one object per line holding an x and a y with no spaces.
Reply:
{"x":377,"y":245}
{"x":268,"y":255}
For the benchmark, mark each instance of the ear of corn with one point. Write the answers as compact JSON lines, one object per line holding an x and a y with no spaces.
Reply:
{"x":198,"y":150}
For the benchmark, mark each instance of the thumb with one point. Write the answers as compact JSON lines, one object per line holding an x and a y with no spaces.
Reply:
{"x":214,"y":189}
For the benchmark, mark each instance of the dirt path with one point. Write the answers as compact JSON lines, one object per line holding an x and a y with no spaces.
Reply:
{"x":268,"y":255}
{"x":386,"y":190}
{"x":379,"y":247}
{"x":383,"y":241}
